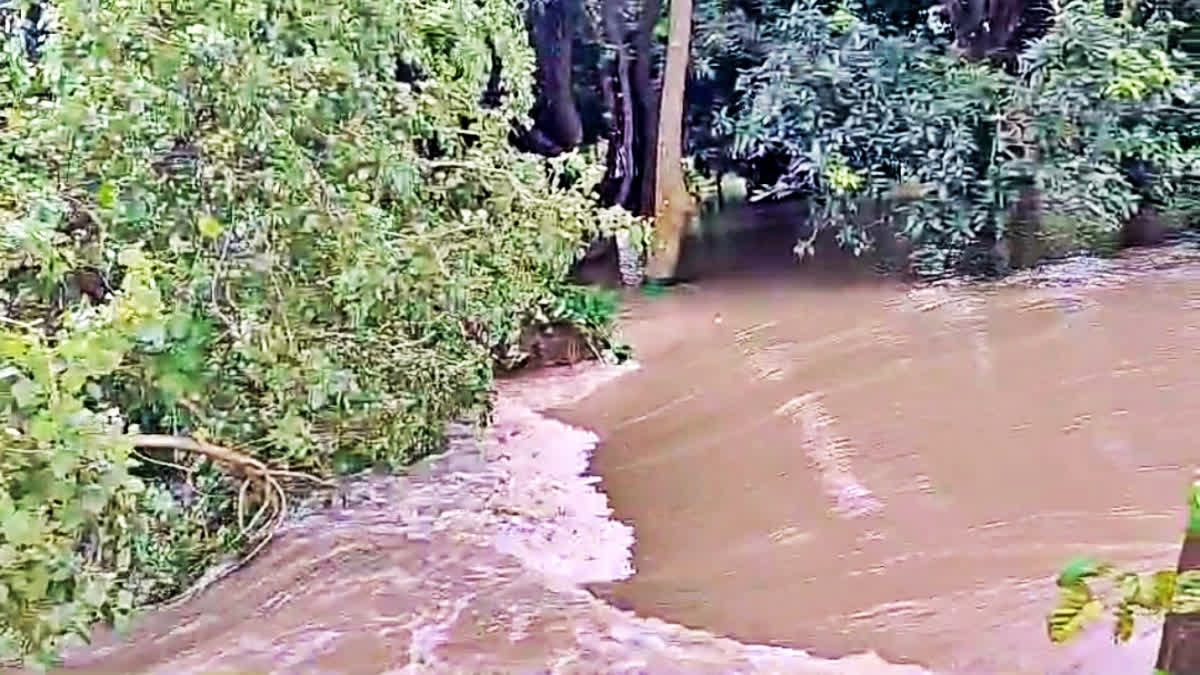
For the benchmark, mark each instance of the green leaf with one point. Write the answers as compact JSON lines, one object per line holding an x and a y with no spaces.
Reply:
{"x":1186,"y":599}
{"x":25,"y":393}
{"x":64,"y":461}
{"x":106,"y":195}
{"x":208,"y":227}
{"x":102,"y":361}
{"x":1157,"y":594}
{"x":135,"y":485}
{"x":37,"y":581}
{"x":1080,"y":569}
{"x":1076,"y":608}
{"x":22,"y":528}
{"x":153,"y":334}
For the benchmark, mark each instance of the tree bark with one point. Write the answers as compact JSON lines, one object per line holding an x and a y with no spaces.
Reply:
{"x":1179,"y":651}
{"x":672,"y":203}
{"x":986,"y":28}
{"x":648,"y":102}
{"x":621,"y":168}
{"x":556,"y":114}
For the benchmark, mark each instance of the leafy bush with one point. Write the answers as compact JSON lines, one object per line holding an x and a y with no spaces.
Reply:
{"x":295,"y":229}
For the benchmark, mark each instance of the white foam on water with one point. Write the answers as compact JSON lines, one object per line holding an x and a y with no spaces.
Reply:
{"x":476,"y":562}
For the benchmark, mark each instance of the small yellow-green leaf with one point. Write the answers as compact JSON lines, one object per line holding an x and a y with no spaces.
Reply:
{"x":43,"y":429}
{"x":1156,"y":595}
{"x":106,"y":196}
{"x":73,"y":379}
{"x":1076,"y":608}
{"x":208,"y":226}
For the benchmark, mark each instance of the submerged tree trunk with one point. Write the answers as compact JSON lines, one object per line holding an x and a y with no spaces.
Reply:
{"x":1179,"y":651}
{"x":672,"y":203}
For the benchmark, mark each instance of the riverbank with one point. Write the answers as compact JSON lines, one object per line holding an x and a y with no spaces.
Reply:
{"x":474,"y":562}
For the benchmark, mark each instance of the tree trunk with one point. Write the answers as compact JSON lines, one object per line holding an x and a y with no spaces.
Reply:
{"x":672,"y":203}
{"x":556,"y":114}
{"x":648,"y":103}
{"x":986,"y":28}
{"x":619,"y":178}
{"x":1179,"y":651}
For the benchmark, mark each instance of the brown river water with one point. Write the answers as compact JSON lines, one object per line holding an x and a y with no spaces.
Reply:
{"x":809,"y":470}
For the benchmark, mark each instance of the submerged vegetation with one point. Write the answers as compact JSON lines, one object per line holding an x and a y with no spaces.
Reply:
{"x":247,"y":247}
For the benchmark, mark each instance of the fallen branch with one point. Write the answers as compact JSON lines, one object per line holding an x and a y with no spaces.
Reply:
{"x":253,"y":471}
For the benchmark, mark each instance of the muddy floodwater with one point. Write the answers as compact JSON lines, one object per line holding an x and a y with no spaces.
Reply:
{"x":852,"y":464}
{"x":809,"y":471}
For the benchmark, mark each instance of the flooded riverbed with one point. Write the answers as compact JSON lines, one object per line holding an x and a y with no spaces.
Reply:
{"x":856,"y":464}
{"x":806,"y":467}
{"x":476,"y":563}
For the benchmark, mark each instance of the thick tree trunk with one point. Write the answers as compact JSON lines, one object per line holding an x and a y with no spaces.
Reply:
{"x":998,"y":29}
{"x":556,"y":113}
{"x":672,"y":204}
{"x":621,"y":169}
{"x":1179,"y":652}
{"x":648,"y":103}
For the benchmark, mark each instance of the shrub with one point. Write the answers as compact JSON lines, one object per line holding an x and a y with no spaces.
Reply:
{"x":294,"y":229}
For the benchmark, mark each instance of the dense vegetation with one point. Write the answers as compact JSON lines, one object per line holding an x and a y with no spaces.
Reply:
{"x":241,"y":241}
{"x":962,"y":139}
{"x":248,"y":246}
{"x":1043,"y":127}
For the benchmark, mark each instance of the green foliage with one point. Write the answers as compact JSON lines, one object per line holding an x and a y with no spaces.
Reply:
{"x":1125,"y":594}
{"x":244,"y":223}
{"x":69,"y":505}
{"x":1087,"y":588}
{"x":584,"y":306}
{"x":833,"y":98}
